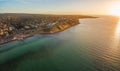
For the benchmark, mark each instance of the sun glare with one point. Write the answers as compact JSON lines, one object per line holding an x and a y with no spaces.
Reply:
{"x":115,"y":10}
{"x":118,"y":28}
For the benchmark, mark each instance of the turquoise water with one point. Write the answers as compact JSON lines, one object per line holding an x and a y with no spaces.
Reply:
{"x":92,"y":45}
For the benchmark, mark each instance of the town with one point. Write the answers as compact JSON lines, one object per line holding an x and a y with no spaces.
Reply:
{"x":19,"y":26}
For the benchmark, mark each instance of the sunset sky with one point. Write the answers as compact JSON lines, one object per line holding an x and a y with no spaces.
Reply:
{"x":57,"y":6}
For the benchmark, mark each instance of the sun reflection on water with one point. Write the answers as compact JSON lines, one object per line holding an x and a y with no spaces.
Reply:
{"x":111,"y":55}
{"x":117,"y":36}
{"x":118,"y":28}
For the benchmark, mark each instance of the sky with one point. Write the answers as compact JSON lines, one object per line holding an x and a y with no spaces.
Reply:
{"x":57,"y":6}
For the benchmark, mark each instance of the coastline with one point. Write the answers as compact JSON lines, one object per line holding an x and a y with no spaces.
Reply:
{"x":19,"y":37}
{"x":22,"y":36}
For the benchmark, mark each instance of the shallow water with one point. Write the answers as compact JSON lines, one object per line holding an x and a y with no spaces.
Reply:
{"x":93,"y":45}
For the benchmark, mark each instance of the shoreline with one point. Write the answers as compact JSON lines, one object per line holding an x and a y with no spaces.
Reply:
{"x":19,"y":37}
{"x":22,"y":36}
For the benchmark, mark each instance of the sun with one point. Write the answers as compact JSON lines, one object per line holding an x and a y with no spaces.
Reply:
{"x":115,"y":10}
